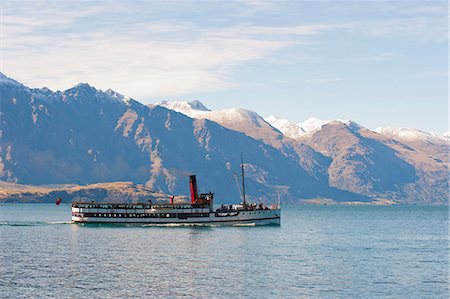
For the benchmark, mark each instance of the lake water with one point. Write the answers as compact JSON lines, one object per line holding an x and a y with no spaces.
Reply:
{"x":317,"y":252}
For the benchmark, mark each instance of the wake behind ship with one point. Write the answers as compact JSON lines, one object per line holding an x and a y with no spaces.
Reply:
{"x":199,"y":211}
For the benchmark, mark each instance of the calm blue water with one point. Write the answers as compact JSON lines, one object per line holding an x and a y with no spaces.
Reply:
{"x":318,"y":252}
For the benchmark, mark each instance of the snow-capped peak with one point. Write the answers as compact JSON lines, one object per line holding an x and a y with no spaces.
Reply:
{"x":285,"y":126}
{"x":307,"y":127}
{"x":188,"y":108}
{"x":411,"y":134}
{"x":84,"y":92}
{"x":292,"y":130}
{"x":114,"y":95}
{"x":312,"y":124}
{"x":83,"y":86}
{"x":243,"y":120}
{"x":196,"y":109}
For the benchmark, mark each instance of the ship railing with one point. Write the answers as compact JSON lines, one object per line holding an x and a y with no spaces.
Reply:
{"x":139,"y":206}
{"x":250,"y":207}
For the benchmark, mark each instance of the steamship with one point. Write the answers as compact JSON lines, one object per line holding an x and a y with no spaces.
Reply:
{"x":200,"y":211}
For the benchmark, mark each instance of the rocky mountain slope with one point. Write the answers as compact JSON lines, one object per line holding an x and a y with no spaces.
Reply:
{"x":404,"y":165}
{"x":256,"y":127}
{"x":83,"y":136}
{"x":360,"y":160}
{"x":396,"y":164}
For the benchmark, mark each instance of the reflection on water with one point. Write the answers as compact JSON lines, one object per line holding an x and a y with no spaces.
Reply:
{"x":323,"y":251}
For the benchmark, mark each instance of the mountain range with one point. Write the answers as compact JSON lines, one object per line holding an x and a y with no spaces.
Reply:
{"x":86,"y":136}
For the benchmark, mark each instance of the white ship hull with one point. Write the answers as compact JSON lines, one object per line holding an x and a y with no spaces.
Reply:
{"x":199,"y":216}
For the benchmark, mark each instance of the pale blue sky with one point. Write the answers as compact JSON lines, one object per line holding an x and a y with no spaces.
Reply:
{"x":378,"y":63}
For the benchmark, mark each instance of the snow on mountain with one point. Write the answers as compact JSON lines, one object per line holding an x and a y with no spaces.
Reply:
{"x":312,"y":125}
{"x":305,"y":128}
{"x":411,"y":134}
{"x":196,"y":109}
{"x":236,"y":119}
{"x":86,"y":92}
{"x":80,"y":91}
{"x":187,"y":108}
{"x":285,"y":126}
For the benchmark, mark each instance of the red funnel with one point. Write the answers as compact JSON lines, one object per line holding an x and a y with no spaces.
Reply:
{"x":193,"y":188}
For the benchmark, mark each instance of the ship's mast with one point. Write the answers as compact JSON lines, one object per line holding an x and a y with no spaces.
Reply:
{"x":243,"y":181}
